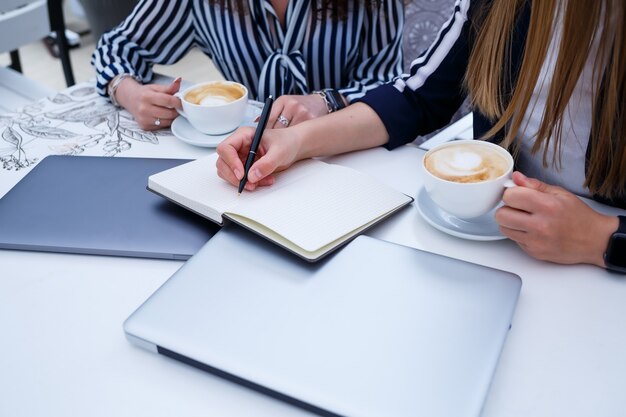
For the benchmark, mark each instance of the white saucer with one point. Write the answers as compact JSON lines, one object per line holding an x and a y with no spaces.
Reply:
{"x":479,"y":228}
{"x":183,"y":130}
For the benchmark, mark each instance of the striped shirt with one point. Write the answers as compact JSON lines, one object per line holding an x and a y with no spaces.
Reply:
{"x":311,"y":52}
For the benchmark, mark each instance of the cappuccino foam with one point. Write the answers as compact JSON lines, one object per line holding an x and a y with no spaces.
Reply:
{"x":466,"y":163}
{"x":215,"y":94}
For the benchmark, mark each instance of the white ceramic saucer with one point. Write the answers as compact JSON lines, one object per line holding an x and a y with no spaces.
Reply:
{"x":183,"y":130}
{"x":479,"y":228}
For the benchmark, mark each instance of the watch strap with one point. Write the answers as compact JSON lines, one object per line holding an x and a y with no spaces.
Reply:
{"x":616,"y":249}
{"x":622,"y":224}
{"x":332,"y":98}
{"x":335,"y":98}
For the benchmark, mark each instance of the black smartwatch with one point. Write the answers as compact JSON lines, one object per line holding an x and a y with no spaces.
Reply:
{"x":615,"y":255}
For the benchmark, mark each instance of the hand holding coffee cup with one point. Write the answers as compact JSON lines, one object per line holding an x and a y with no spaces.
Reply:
{"x":214,"y":107}
{"x":152,"y":105}
{"x":467,"y":178}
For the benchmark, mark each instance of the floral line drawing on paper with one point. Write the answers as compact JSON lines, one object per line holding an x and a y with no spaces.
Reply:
{"x":72,"y":121}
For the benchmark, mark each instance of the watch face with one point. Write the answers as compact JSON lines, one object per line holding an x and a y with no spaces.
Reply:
{"x":617,"y":255}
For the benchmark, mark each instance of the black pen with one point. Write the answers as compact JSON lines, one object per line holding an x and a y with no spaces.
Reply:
{"x":265,"y":114}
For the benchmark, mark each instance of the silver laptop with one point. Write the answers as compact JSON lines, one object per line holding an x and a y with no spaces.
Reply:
{"x":378,"y":329}
{"x":98,"y":205}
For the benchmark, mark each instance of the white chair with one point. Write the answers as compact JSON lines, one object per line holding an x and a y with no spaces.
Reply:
{"x":23,"y":22}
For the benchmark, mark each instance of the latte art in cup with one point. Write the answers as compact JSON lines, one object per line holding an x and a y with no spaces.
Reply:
{"x":215,"y":94}
{"x":467,"y":178}
{"x":214,"y":107}
{"x":466,"y":163}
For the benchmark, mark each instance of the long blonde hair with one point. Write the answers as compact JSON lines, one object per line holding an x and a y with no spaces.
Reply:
{"x":490,"y":60}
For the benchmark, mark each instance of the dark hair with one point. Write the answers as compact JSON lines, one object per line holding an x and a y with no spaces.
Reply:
{"x":338,"y":8}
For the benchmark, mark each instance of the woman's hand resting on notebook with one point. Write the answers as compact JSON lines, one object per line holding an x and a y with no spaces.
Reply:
{"x":277,"y":151}
{"x":291,"y":109}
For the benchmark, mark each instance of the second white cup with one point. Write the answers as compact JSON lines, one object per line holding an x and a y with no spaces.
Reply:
{"x":467,"y":178}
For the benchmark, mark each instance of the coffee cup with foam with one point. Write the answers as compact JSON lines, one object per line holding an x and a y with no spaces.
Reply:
{"x":214,"y":107}
{"x":467,"y":178}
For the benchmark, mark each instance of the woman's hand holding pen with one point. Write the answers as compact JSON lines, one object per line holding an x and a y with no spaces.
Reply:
{"x":353,"y":128}
{"x":277,"y":151}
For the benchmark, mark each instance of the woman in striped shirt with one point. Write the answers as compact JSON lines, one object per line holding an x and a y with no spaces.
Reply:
{"x":288,"y":49}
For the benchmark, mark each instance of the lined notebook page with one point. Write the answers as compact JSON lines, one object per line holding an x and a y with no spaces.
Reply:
{"x":197,"y":186}
{"x":316,"y":209}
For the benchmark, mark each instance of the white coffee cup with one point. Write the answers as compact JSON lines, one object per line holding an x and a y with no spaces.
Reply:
{"x":214,"y":107}
{"x":486,"y":167}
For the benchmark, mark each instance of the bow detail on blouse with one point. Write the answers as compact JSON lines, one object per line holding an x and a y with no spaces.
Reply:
{"x":284,"y":71}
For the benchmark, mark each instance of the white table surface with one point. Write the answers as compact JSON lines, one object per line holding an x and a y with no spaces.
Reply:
{"x":63,"y":351}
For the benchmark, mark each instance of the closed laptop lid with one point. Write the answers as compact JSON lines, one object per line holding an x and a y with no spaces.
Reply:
{"x":98,"y":205}
{"x":378,"y":329}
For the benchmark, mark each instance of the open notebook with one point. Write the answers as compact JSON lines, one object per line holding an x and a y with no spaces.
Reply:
{"x":311,"y":209}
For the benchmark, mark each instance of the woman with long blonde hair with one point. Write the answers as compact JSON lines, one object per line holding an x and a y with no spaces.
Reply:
{"x":547,"y":80}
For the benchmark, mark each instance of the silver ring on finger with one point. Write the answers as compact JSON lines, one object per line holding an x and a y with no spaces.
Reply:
{"x":157,"y":122}
{"x":283,"y":120}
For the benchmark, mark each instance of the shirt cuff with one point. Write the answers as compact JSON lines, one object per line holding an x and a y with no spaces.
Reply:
{"x":109,"y":72}
{"x":350,"y":95}
{"x":396,"y":113}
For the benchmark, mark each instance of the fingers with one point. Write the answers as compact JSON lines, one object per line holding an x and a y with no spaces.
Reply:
{"x":162,"y":113}
{"x":150,"y":123}
{"x":512,"y":219}
{"x":276,"y":152}
{"x":531,"y":194}
{"x":232,"y":153}
{"x":277,"y":109}
{"x":156,"y":103}
{"x":174,"y":87}
{"x":522,"y":198}
{"x":290,"y":110}
{"x":301,"y":110}
{"x":226,"y":173}
{"x":516,"y":225}
{"x":517,"y":236}
{"x":552,"y":224}
{"x":534,"y":184}
{"x":267,"y":181}
{"x":537,"y":248}
{"x":263,"y":168}
{"x":147,"y":116}
{"x":279,"y":119}
{"x":170,"y":89}
{"x":162,"y":99}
